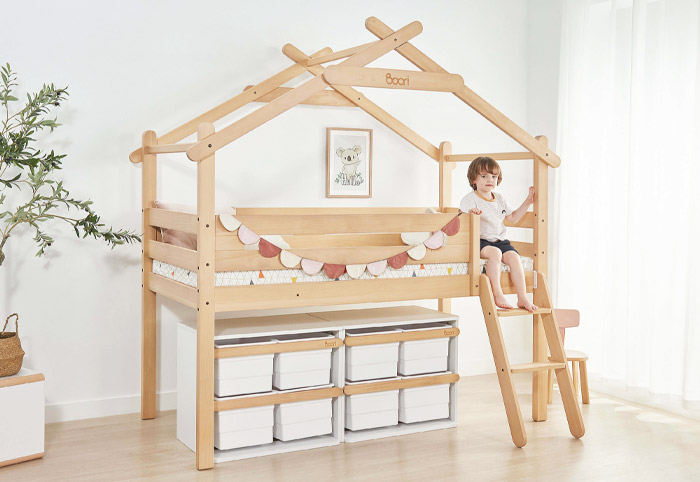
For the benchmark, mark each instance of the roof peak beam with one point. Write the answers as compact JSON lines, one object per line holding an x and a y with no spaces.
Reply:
{"x":392,"y":79}
{"x":230,"y":133}
{"x":229,"y":106}
{"x":368,"y":106}
{"x":425,"y":63}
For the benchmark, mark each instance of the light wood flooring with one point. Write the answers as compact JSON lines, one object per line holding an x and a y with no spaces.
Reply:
{"x":623,"y":442}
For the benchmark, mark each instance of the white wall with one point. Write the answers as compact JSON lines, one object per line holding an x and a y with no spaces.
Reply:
{"x":132,"y":66}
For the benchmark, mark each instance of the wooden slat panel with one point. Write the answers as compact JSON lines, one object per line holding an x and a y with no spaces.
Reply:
{"x":528,"y":221}
{"x":325,"y":97}
{"x":164,"y":218}
{"x":498,"y":156}
{"x":509,"y":287}
{"x":179,"y":292}
{"x":399,"y":384}
{"x":349,"y":223}
{"x":235,"y":298}
{"x":364,"y":340}
{"x":285,"y":347}
{"x":167,"y":253}
{"x":276,"y":398}
{"x":524,"y":249}
{"x":393,"y":78}
{"x":252,"y":260}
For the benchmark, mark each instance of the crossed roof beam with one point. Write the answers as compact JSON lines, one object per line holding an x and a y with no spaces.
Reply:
{"x":341,"y":77}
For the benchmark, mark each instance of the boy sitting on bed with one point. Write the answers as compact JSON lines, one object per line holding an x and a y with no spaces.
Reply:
{"x":484,"y":175}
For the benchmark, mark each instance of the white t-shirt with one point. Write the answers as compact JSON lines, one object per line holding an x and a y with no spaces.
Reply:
{"x":492,"y":214}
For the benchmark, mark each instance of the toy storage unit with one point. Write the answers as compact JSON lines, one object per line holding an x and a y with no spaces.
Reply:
{"x":294,"y":382}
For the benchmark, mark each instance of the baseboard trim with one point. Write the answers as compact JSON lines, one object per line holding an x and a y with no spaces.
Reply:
{"x":64,"y":412}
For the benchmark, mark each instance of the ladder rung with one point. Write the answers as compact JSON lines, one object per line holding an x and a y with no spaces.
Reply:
{"x":534,"y":367}
{"x":523,"y":311}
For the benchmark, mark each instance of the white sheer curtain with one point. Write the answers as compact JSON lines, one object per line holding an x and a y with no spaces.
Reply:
{"x":627,"y":242}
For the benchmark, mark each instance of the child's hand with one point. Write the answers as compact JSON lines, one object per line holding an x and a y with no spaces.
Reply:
{"x":475,"y":211}
{"x":531,"y":195}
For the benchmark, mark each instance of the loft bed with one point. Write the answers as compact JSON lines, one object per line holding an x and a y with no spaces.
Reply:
{"x":264,"y":258}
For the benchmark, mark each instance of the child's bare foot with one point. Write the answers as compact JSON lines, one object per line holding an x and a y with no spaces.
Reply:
{"x":525,"y":303}
{"x":502,"y":303}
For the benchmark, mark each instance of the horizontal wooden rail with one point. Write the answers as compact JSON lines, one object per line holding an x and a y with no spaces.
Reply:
{"x":362,"y":340}
{"x":527,"y":221}
{"x":498,"y":156}
{"x":325,"y":97}
{"x":281,"y":347}
{"x":324,"y":293}
{"x":392,"y":79}
{"x":227,"y":241}
{"x":277,"y":398}
{"x":229,"y":106}
{"x":175,"y":255}
{"x":179,"y":292}
{"x":374,"y":387}
{"x":247,"y":260}
{"x":164,"y":218}
{"x":349,"y":223}
{"x":523,"y":311}
{"x":340,"y":54}
{"x":167,"y":148}
{"x":335,"y":210}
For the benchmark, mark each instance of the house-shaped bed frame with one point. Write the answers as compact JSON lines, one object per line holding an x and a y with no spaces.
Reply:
{"x":360,"y":235}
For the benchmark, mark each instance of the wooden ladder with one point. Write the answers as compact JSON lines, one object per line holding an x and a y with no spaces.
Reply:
{"x":557,"y":360}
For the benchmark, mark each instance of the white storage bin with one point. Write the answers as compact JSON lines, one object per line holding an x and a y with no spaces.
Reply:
{"x":245,"y":374}
{"x":424,"y":356}
{"x":367,"y":362}
{"x":371,"y":410}
{"x":302,"y":368}
{"x":243,"y":427}
{"x":303,"y":419}
{"x":424,"y":403}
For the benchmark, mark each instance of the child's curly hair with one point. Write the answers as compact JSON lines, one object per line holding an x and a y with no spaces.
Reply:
{"x":481,"y":165}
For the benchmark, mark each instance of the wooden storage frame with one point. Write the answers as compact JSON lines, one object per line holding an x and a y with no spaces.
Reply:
{"x":219,"y":249}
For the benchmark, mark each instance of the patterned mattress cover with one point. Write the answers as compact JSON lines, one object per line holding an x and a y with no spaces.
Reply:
{"x":280,"y":276}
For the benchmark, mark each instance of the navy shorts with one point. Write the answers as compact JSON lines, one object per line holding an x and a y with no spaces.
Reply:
{"x":503,"y":245}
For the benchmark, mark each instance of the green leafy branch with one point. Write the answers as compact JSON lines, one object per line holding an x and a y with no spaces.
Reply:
{"x":27,"y":168}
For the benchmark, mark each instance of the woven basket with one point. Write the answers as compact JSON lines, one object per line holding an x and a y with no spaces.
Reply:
{"x":11,"y":353}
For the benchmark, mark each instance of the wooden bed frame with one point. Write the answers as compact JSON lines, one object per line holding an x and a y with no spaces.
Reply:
{"x":358,"y":233}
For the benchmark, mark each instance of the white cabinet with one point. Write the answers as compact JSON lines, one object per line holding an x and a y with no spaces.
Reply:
{"x":21,"y":417}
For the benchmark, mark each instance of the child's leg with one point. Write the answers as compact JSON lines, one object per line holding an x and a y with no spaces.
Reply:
{"x":493,"y":271}
{"x":512,"y":259}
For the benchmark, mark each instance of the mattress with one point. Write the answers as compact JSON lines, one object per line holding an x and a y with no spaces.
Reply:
{"x":281,"y":276}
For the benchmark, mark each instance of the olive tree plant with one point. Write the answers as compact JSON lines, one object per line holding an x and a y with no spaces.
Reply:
{"x":25,"y":167}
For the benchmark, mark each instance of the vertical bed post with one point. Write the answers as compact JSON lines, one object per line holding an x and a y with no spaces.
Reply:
{"x":445,"y":304}
{"x":474,"y":252}
{"x":540,"y":383}
{"x":206,"y":249}
{"x":148,"y":297}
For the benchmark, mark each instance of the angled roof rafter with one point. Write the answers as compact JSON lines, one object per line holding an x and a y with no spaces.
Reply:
{"x":425,"y":63}
{"x":228,"y":134}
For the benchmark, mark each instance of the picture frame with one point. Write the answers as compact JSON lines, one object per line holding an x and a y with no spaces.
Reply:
{"x":348,"y":162}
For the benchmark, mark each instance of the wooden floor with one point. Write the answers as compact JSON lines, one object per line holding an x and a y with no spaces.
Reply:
{"x":622,"y":442}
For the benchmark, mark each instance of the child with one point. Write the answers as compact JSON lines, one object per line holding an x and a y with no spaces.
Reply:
{"x":484,"y":175}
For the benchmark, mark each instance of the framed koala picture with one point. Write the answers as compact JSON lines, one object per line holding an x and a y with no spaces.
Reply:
{"x":348,"y":162}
